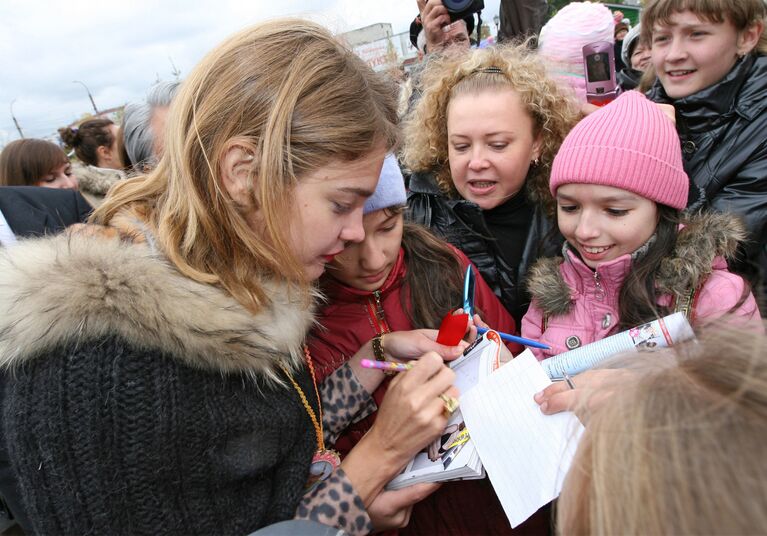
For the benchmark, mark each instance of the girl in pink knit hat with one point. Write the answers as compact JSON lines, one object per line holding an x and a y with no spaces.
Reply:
{"x":630,"y":256}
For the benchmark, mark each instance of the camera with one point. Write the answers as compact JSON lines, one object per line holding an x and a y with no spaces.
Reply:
{"x":459,"y":9}
{"x":599,"y":67}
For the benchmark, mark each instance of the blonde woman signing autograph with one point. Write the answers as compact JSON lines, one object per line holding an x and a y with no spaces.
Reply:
{"x":161,"y":384}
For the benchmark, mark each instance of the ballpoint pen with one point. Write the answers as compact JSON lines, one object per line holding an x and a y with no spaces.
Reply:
{"x":468,"y":308}
{"x":513,"y":338}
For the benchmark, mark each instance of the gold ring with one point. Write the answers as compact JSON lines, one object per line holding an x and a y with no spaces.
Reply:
{"x":451,"y":404}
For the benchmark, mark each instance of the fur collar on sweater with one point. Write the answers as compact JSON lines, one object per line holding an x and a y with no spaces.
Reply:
{"x":84,"y":286}
{"x":703,"y":238}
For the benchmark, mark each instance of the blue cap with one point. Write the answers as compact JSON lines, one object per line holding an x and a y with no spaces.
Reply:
{"x":390,"y":191}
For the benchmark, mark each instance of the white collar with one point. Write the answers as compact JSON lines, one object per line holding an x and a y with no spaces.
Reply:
{"x":7,"y":238}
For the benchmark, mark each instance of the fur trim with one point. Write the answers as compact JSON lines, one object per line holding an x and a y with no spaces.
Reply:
{"x":80,"y":287}
{"x":97,"y":181}
{"x":703,"y":238}
{"x":547,"y":287}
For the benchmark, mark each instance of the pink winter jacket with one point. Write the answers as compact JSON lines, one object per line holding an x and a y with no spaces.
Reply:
{"x":581,"y":304}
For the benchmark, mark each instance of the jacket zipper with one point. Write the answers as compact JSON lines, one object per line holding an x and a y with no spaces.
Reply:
{"x":599,"y":290}
{"x":377,"y":314}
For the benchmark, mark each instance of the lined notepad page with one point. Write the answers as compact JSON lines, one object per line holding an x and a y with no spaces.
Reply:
{"x":526,"y":453}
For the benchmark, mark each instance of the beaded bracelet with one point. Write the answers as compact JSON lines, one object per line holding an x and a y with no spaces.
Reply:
{"x":378,"y":350}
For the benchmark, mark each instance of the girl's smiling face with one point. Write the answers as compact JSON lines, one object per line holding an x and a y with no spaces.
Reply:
{"x":602,"y":222}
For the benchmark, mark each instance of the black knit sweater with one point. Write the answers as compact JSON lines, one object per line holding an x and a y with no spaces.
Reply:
{"x":107,"y":438}
{"x":146,"y":403}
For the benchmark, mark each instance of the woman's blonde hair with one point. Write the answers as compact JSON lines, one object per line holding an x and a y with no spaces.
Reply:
{"x":553,"y":111}
{"x":679,"y":450}
{"x":742,"y":13}
{"x":286,"y":90}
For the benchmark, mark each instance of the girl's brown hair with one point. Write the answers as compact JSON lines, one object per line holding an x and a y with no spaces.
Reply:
{"x":434,"y":278}
{"x":298,"y":99}
{"x":679,"y":448}
{"x":87,"y":137}
{"x":648,"y":78}
{"x":638,"y":295}
{"x":553,"y":111}
{"x":742,"y":13}
{"x":25,"y":162}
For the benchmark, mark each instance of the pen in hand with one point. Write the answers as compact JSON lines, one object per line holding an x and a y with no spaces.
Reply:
{"x":386,"y":365}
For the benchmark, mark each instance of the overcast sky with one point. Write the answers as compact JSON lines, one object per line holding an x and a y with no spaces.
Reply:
{"x":119,"y":48}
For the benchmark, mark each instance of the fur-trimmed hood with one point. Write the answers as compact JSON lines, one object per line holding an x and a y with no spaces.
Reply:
{"x":702,"y":239}
{"x":81,"y":287}
{"x":96,"y":180}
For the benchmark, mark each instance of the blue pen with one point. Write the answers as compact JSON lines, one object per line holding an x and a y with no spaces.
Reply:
{"x":468,"y":308}
{"x":468,"y":292}
{"x":514,"y":338}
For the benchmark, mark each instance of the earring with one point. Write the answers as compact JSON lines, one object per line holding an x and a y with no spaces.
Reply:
{"x":535,"y":162}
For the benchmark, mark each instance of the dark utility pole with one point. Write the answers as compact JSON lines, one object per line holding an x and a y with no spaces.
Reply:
{"x":96,"y":110}
{"x":15,"y":122}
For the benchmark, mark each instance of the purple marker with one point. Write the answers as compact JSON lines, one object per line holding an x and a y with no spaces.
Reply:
{"x":386,"y":365}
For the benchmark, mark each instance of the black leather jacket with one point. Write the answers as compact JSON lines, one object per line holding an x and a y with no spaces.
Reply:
{"x":723,"y":131}
{"x":628,"y":78}
{"x":462,"y":223}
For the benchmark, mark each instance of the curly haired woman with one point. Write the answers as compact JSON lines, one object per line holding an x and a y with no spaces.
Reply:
{"x":480,"y":145}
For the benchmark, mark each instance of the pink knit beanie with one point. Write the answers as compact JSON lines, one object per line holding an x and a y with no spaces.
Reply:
{"x":628,"y":144}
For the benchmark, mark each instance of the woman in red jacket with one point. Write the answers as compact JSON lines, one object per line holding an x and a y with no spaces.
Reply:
{"x":402,"y":278}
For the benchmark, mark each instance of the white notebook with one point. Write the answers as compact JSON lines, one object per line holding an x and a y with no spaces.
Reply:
{"x":526,"y":453}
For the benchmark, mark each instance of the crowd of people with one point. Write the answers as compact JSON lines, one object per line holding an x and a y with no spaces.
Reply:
{"x":186,"y":297}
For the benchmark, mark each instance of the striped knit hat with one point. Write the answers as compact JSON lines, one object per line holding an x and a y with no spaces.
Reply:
{"x":628,"y":144}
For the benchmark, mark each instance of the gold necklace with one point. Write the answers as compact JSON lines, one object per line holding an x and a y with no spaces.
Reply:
{"x":324,"y":461}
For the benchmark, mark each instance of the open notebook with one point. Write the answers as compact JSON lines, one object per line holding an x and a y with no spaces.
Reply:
{"x":453,"y":455}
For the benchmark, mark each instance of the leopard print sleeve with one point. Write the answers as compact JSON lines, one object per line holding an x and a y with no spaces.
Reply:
{"x":335,"y":503}
{"x":344,"y":400}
